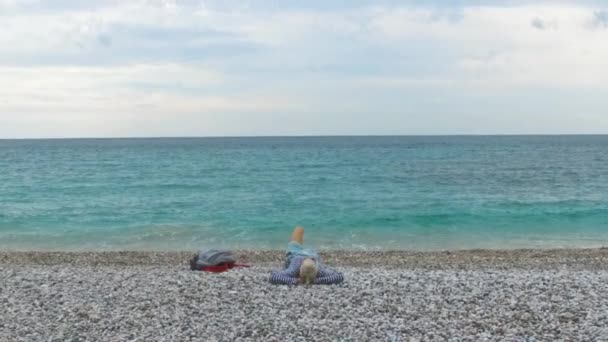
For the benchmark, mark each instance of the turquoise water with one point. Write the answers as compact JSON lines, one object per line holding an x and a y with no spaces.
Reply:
{"x":348,"y":192}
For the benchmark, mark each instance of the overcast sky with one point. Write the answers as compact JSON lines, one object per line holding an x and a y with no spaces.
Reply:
{"x":213,"y":68}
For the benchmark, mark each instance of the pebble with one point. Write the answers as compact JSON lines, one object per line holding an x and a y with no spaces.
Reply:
{"x":109,"y":301}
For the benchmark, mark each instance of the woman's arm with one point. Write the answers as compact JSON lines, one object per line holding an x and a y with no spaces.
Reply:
{"x":327,"y":276}
{"x":280,"y":278}
{"x":288,"y":276}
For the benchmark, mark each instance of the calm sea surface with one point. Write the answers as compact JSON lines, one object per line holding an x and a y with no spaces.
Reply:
{"x":348,"y":192}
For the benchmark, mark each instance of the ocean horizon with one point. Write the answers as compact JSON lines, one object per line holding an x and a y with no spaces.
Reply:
{"x":424,"y":192}
{"x":310,"y":136}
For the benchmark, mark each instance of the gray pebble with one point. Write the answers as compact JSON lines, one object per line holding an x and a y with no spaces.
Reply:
{"x":109,"y":301}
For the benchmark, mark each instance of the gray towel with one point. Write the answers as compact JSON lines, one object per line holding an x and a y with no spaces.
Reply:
{"x":214,"y":257}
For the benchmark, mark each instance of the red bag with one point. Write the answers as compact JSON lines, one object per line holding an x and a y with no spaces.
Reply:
{"x":222,"y":267}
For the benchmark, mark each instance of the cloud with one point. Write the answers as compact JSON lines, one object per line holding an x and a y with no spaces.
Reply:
{"x":138,"y":100}
{"x":98,"y":88}
{"x":543,"y":24}
{"x":538,"y":23}
{"x":294,"y":67}
{"x":104,"y":40}
{"x":499,"y":47}
{"x":600,"y":19}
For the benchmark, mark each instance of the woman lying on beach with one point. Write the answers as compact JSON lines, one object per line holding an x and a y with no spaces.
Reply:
{"x":303,"y":265}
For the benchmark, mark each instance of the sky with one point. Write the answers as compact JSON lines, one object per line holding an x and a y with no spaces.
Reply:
{"x":144,"y":68}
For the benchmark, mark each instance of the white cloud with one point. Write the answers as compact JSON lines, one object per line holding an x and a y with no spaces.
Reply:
{"x":499,"y":46}
{"x":162,"y":64}
{"x":75,"y":86}
{"x":117,"y":101}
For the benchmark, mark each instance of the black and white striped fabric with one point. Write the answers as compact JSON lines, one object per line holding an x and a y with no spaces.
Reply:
{"x":290,"y":275}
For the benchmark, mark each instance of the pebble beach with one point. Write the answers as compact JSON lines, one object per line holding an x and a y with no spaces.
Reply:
{"x":518,"y":295}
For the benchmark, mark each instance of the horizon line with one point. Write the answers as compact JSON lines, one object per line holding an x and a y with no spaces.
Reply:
{"x":311,"y":136}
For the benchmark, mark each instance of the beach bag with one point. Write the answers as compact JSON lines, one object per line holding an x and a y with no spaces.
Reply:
{"x":214,"y":260}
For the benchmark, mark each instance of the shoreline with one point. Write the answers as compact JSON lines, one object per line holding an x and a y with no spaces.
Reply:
{"x":584,"y":258}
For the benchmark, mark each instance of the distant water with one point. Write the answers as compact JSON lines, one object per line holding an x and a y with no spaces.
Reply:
{"x":348,"y":192}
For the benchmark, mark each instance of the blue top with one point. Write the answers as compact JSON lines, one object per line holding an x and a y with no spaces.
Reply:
{"x":291,"y":274}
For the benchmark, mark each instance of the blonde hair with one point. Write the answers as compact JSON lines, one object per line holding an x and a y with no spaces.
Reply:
{"x":308,"y":271}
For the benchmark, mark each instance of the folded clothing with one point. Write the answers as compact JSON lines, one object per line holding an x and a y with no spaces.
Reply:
{"x":214,"y":260}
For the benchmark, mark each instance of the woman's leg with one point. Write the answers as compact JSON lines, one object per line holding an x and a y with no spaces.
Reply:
{"x":298,"y":235}
{"x":294,"y":247}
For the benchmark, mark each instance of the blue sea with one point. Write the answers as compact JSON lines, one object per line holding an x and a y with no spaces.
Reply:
{"x":356,"y":193}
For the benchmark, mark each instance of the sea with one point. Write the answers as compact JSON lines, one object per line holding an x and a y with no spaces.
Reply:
{"x":349,"y":193}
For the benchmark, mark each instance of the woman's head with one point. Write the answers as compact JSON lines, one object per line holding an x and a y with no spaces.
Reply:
{"x":308,"y":271}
